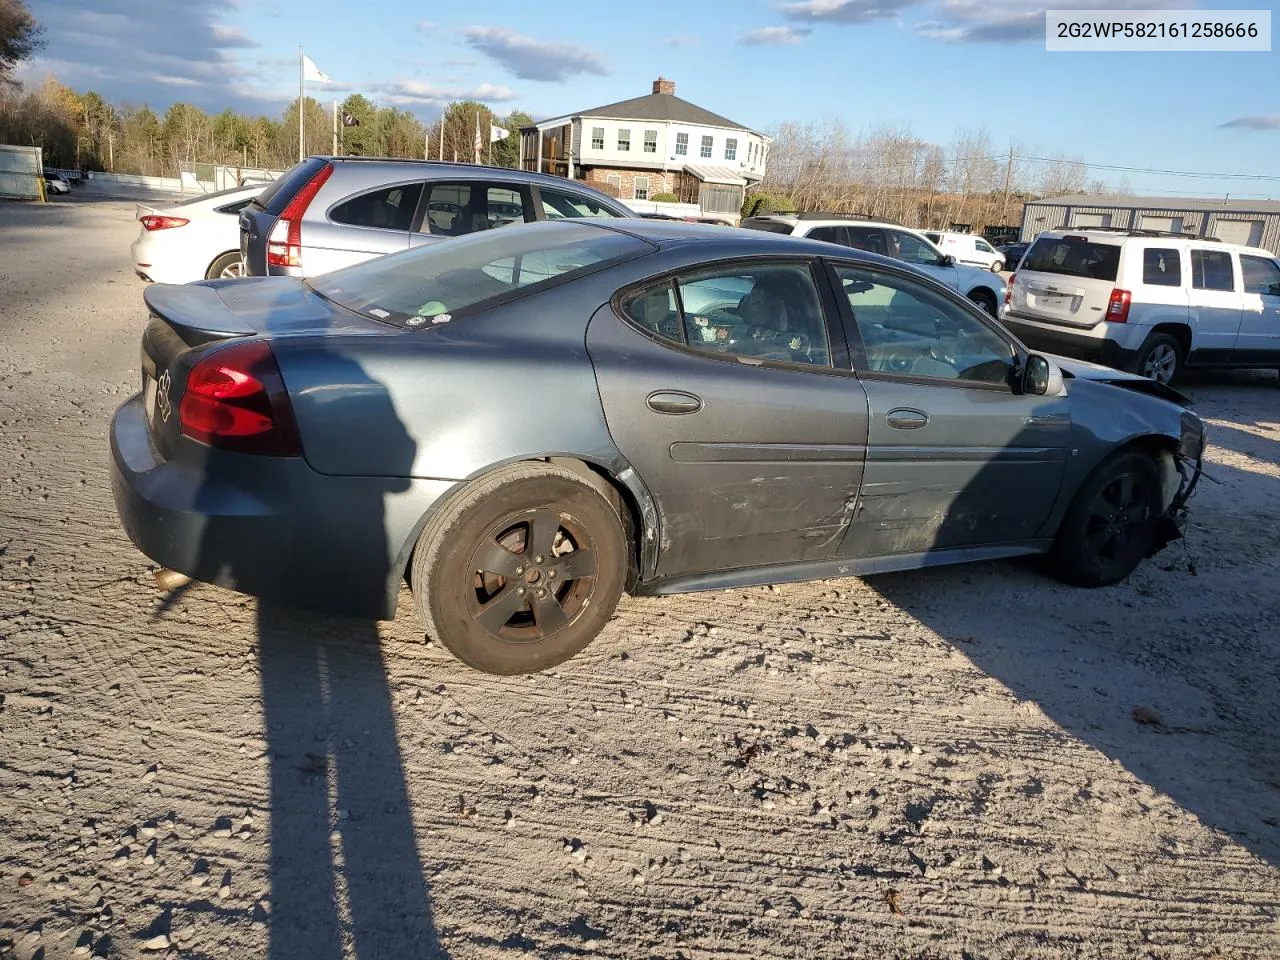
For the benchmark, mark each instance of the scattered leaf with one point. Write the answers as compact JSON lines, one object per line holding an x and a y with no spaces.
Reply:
{"x":894,"y":899}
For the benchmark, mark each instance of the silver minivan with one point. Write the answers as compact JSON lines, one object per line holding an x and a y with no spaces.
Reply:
{"x":331,"y":212}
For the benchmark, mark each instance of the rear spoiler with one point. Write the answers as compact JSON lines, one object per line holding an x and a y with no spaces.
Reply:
{"x":144,"y":209}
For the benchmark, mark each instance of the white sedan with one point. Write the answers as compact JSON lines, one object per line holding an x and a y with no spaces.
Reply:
{"x":197,"y":239}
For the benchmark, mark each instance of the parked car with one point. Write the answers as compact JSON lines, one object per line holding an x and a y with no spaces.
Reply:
{"x":331,"y":212}
{"x":527,"y":422}
{"x":196,"y":239}
{"x":967,"y":248}
{"x":1013,"y":253}
{"x":56,"y":183}
{"x":1152,"y":303}
{"x":890,"y":240}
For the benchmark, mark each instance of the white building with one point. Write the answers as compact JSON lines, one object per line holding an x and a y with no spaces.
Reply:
{"x":655,"y":144}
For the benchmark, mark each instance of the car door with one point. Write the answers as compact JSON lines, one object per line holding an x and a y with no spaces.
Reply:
{"x":911,"y":249}
{"x":1216,"y":306}
{"x":1259,"y":338}
{"x":455,"y":208}
{"x":728,"y":390}
{"x":955,"y":457}
{"x":369,"y":224}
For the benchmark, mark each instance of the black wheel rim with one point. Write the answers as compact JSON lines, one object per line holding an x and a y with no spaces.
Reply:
{"x":1118,"y":519}
{"x":532,"y":574}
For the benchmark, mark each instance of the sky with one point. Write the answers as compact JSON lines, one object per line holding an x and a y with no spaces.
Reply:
{"x":936,"y":66}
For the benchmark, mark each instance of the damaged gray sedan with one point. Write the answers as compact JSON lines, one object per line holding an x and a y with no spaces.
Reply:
{"x":526,"y":422}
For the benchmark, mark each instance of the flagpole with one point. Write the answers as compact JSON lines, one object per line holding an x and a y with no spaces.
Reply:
{"x":477,"y":140}
{"x":442,"y":116}
{"x":301,"y":74}
{"x":335,"y":128}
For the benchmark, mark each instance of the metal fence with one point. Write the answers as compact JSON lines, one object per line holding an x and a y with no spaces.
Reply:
{"x":21,"y":172}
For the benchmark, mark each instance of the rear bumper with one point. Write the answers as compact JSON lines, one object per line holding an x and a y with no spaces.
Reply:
{"x":1081,"y":346}
{"x":268,"y":526}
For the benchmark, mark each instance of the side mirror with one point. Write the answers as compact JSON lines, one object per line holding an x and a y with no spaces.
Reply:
{"x":946,"y":260}
{"x":1040,"y":377}
{"x":1274,"y":290}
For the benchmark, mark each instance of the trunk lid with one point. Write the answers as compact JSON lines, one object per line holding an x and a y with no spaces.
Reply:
{"x":1066,"y":281}
{"x":188,"y":318}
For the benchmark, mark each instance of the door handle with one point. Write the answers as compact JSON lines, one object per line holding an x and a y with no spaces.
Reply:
{"x":907,"y":418}
{"x":674,"y":402}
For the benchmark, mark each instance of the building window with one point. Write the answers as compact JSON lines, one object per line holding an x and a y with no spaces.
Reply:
{"x":651,"y":141}
{"x":731,"y":149}
{"x":640,"y":189}
{"x":597,"y":138}
{"x":706,"y":147}
{"x":613,"y":184}
{"x":682,"y":144}
{"x":624,"y":140}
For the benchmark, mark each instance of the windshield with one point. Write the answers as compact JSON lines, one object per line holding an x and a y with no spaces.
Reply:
{"x":432,"y":284}
{"x":1073,"y":257}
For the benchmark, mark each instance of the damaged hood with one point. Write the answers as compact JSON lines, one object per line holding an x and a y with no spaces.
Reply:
{"x":1083,"y":370}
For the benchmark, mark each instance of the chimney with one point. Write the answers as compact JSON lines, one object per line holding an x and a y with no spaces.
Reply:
{"x":663,"y":85}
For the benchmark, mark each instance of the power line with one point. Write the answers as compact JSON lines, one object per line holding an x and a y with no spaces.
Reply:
{"x":1151,"y":170}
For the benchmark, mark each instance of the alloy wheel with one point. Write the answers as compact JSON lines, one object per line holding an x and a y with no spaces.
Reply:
{"x":1117,"y":518}
{"x":1161,"y":363}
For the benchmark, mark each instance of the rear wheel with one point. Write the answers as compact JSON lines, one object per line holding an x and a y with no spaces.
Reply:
{"x":1110,"y":526}
{"x":521,"y":570}
{"x":1160,"y":358}
{"x":984,"y":299}
{"x":227,"y":265}
{"x":997,"y":266}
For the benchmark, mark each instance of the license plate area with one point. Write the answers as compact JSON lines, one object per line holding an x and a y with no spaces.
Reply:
{"x":149,"y":398}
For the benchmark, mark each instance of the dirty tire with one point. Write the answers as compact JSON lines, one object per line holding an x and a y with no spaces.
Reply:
{"x":1110,"y":526}
{"x":985,"y":300}
{"x":220,"y":265}
{"x":479,"y":590}
{"x":1160,"y":358}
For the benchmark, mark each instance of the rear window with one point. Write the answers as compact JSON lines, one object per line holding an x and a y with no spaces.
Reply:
{"x":1161,"y":267}
{"x":433,"y":284}
{"x":1073,"y":257}
{"x":281,"y":190}
{"x":769,"y":226}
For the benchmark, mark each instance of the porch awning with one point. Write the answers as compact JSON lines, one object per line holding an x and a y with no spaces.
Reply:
{"x":709,"y":174}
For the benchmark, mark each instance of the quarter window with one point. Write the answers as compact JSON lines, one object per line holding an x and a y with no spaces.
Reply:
{"x":829,"y":235}
{"x":1212,"y":270}
{"x":597,"y":138}
{"x":908,"y":330}
{"x":682,"y":144}
{"x":1260,"y":275}
{"x":388,"y":209}
{"x":651,"y":141}
{"x":707,"y":143}
{"x":1161,"y":267}
{"x":624,"y":140}
{"x":731,"y":149}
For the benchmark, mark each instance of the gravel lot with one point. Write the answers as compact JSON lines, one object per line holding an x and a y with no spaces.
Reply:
{"x":944,"y":764}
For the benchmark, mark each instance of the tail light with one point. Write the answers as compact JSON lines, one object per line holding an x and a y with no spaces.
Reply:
{"x":284,"y":244}
{"x":1008,"y":290}
{"x":155,"y":221}
{"x":1118,"y":306}
{"x":235,"y":400}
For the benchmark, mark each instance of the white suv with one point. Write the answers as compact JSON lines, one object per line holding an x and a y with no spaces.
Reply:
{"x":890,"y":240}
{"x":1146,"y":301}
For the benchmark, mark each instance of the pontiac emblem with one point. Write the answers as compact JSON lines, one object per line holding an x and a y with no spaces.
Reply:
{"x":163,"y":405}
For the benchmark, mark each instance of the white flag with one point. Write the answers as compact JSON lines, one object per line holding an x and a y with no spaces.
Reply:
{"x":497,"y":133}
{"x":312,"y":72}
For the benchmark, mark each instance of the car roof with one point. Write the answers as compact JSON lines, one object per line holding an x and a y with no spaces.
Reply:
{"x":460,"y":170}
{"x":1120,"y":237}
{"x":734,"y":241}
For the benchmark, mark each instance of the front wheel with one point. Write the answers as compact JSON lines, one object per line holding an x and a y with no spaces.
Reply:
{"x":1110,"y":526}
{"x":521,"y":570}
{"x":997,"y":266}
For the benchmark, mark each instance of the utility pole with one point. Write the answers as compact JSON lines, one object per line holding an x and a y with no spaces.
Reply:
{"x":302,"y":153}
{"x":335,"y":128}
{"x":1008,"y":181}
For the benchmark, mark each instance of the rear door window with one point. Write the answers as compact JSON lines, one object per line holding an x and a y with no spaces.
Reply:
{"x":1212,"y":270}
{"x":1073,"y":257}
{"x":871,"y":239}
{"x":913,"y":250}
{"x":456,"y":209}
{"x":390,"y":208}
{"x":1161,"y":267}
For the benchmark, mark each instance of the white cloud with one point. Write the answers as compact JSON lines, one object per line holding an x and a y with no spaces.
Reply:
{"x":1271,"y":122}
{"x":681,"y":40}
{"x":416,"y":93}
{"x":776,"y":35}
{"x":531,"y":59}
